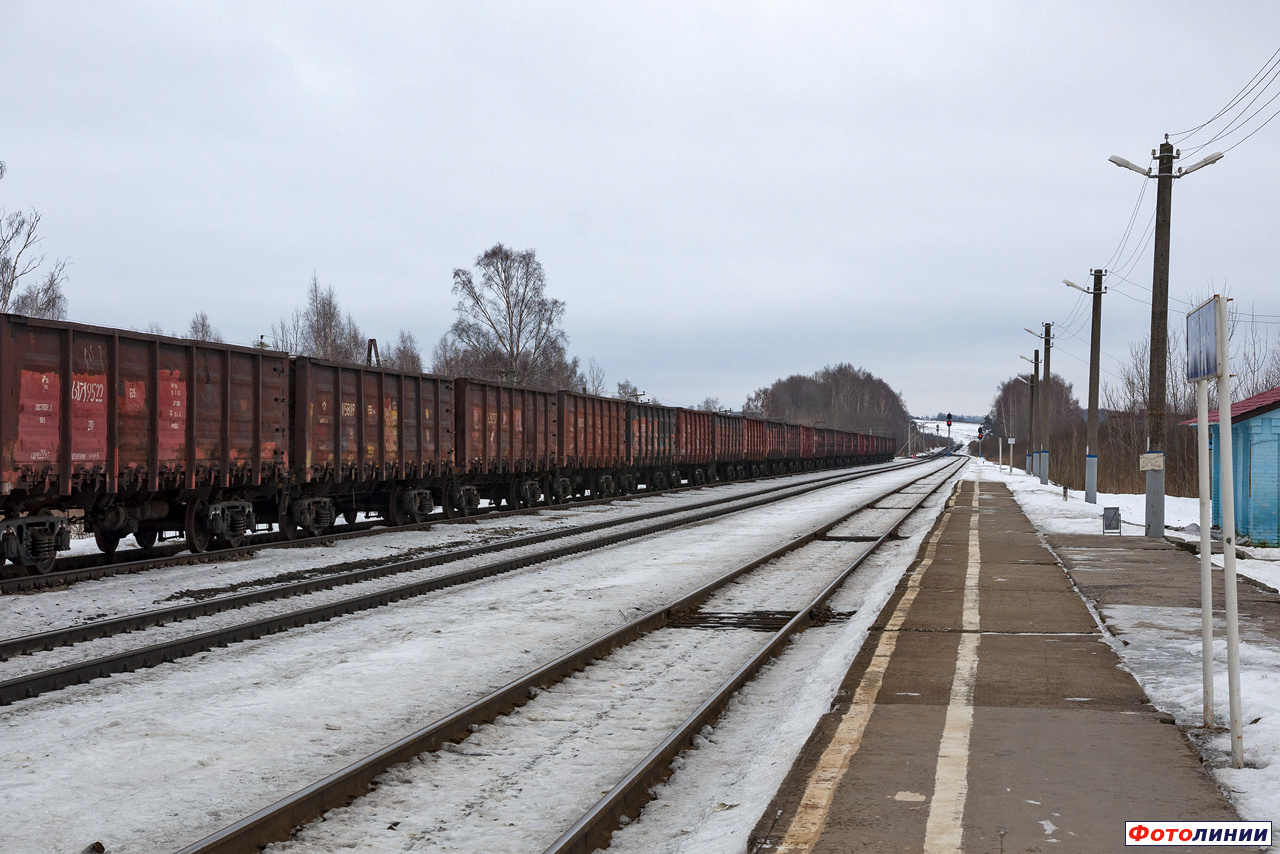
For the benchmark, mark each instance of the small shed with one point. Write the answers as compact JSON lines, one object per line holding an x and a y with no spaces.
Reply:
{"x":1255,"y":446}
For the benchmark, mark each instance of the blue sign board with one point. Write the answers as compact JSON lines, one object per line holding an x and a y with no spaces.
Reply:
{"x":1202,"y":341}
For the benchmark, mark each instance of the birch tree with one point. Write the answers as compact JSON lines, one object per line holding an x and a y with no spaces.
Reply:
{"x":19,"y":258}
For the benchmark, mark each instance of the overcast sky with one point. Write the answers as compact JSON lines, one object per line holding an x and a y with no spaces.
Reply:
{"x":722,"y":193}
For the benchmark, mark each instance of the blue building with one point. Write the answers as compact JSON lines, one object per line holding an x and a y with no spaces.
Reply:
{"x":1255,"y":447}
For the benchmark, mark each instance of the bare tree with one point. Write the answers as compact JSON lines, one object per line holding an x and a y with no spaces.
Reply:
{"x":44,"y":298}
{"x":594,"y":378}
{"x":320,"y":329}
{"x":287,"y":334}
{"x":710,"y":404}
{"x":841,"y":397}
{"x":508,"y":329}
{"x":19,"y":258}
{"x":628,"y":391}
{"x":404,"y":356}
{"x":201,"y":329}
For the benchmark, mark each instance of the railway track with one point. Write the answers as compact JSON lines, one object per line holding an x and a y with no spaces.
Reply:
{"x":88,"y":567}
{"x":627,"y":792}
{"x":633,"y":526}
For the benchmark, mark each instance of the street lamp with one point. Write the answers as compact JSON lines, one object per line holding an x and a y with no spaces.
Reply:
{"x":1153,"y":460}
{"x":1032,"y":433}
{"x":1095,"y":345}
{"x":1042,"y":409}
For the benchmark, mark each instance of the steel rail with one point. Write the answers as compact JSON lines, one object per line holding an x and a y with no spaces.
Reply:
{"x":276,"y":823}
{"x":626,"y":799}
{"x":68,"y":635}
{"x":143,"y":560}
{"x":43,"y":681}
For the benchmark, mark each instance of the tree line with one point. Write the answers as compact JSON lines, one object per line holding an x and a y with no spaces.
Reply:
{"x":1254,"y":342}
{"x":839,"y":397}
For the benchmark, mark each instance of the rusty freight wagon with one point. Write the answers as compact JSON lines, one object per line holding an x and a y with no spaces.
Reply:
{"x":367,"y":440}
{"x":791,"y":446}
{"x":591,"y":447}
{"x":651,"y":433}
{"x":824,"y":444}
{"x":755,"y":446}
{"x":695,"y":449}
{"x":808,"y":447}
{"x":726,"y":432}
{"x":775,"y":446}
{"x":506,"y":442}
{"x":143,"y":434}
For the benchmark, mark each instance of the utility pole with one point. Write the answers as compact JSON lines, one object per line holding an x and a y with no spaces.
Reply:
{"x":1153,"y":461}
{"x":1035,"y":394}
{"x":1158,"y":373}
{"x":1095,"y":353}
{"x":1046,"y":396}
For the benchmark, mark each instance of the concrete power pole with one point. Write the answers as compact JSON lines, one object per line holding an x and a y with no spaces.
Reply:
{"x":1032,"y":456}
{"x":1046,"y":398}
{"x":1158,"y":374}
{"x":1095,"y":352}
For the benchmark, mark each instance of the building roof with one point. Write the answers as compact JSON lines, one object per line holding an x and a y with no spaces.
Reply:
{"x":1248,"y":408}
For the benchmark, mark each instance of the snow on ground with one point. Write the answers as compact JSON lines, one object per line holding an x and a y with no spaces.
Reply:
{"x":1047,"y":510}
{"x":513,"y":785}
{"x":152,"y":760}
{"x":26,"y":613}
{"x":1162,"y":646}
{"x":720,"y":790}
{"x":963,"y":432}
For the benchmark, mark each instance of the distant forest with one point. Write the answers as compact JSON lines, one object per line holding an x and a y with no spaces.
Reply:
{"x":841,"y":397}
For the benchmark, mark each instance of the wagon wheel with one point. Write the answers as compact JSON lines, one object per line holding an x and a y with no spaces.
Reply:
{"x":197,"y":539}
{"x":452,"y":502}
{"x":446,"y":503}
{"x":530,"y":493}
{"x":395,"y":508}
{"x":107,"y":541}
{"x":145,"y":539}
{"x":284,"y":517}
{"x":230,"y":542}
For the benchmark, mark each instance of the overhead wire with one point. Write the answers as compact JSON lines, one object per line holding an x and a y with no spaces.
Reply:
{"x":1257,"y":86}
{"x":1244,"y":91}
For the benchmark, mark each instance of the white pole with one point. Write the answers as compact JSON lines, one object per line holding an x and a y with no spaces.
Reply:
{"x":1206,"y":548}
{"x":1228,"y":489}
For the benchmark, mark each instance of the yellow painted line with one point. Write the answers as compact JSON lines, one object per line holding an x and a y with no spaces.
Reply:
{"x":944,"y":830}
{"x":811,"y":815}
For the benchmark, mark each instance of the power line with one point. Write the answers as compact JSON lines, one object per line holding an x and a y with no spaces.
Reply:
{"x":1274,"y":60}
{"x":1124,"y":239}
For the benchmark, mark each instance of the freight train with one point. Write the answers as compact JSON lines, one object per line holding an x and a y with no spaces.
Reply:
{"x":159,"y":437}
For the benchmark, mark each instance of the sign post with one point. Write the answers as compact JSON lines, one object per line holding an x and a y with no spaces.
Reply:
{"x":1207,"y":358}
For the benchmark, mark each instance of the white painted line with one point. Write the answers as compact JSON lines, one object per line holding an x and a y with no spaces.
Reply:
{"x":944,"y":830}
{"x":811,"y":815}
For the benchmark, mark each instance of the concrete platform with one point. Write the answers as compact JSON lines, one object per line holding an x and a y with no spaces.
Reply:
{"x":986,"y":713}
